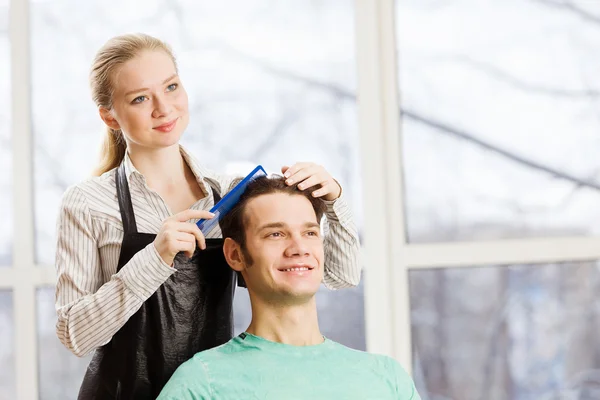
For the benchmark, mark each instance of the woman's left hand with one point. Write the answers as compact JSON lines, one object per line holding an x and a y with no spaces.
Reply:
{"x":307,"y":175}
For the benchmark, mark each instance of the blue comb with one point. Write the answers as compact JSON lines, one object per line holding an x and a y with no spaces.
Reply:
{"x":228,"y":202}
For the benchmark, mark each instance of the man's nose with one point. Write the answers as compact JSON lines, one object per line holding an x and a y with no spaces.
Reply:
{"x":297,"y":247}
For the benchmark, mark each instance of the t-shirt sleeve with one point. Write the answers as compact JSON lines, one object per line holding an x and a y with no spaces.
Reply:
{"x":190,"y":381}
{"x":405,"y":387}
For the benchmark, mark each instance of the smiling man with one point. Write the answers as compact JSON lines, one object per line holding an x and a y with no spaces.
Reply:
{"x":273,"y":239}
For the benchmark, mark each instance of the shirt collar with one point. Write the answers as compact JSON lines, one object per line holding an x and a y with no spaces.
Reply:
{"x":200,"y":172}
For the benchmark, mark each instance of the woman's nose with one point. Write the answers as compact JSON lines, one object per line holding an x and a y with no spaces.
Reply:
{"x":161,"y":107}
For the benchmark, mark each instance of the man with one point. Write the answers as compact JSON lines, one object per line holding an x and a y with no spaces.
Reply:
{"x":273,"y":238}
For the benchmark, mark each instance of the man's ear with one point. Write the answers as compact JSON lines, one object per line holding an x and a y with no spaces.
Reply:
{"x":233,"y":254}
{"x":108,"y":118}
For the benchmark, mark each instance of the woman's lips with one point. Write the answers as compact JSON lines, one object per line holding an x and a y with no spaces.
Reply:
{"x":168,"y":127}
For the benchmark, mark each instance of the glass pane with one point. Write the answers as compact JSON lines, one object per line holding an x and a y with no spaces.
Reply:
{"x":60,"y":371}
{"x":500,"y":132}
{"x":507,"y":332}
{"x":7,"y":354}
{"x":6,"y":221}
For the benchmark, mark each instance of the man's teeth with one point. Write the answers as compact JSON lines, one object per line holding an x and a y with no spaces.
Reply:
{"x":296,"y":269}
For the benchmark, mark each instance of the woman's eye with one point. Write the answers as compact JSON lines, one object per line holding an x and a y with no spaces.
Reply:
{"x":172,"y":87}
{"x":138,"y":100}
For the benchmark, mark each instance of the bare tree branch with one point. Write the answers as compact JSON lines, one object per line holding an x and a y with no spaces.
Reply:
{"x":417,"y":117}
{"x":446,"y":129}
{"x":572,"y":8}
{"x":288,"y":75}
{"x":519,"y":84}
{"x":496,"y":328}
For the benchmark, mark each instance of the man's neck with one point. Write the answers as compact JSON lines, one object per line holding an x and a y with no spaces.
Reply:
{"x":161,"y":167}
{"x":291,"y":324}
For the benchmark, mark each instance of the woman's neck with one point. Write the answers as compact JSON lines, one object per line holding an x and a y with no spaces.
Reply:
{"x":161,"y":167}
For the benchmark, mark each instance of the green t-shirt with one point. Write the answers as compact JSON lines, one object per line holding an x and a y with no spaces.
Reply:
{"x":249,"y":367}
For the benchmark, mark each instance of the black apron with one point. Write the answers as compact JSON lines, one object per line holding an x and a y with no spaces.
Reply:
{"x":190,"y":312}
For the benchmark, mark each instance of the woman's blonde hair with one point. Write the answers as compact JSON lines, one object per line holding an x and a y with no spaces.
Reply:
{"x":108,"y":60}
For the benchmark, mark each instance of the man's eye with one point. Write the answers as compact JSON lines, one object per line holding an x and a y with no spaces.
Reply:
{"x":172,"y":87}
{"x":313,"y":233}
{"x":138,"y":100}
{"x":275,"y":234}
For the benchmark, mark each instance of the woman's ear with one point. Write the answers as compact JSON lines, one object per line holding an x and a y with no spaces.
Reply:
{"x":233,"y":254}
{"x":108,"y":118}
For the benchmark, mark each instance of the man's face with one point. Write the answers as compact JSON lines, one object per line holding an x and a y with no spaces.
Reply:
{"x":283,"y":238}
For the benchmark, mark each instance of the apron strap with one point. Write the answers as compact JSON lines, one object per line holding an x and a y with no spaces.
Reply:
{"x":216,"y":195}
{"x":124,"y":197}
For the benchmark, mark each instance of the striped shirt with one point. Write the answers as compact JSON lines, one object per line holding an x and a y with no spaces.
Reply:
{"x":93,"y":300}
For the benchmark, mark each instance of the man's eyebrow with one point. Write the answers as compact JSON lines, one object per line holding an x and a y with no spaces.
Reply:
{"x":271,"y":225}
{"x":280,"y":225}
{"x":142,"y":89}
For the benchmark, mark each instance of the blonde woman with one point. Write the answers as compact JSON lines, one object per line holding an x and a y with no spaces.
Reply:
{"x":137,"y":281}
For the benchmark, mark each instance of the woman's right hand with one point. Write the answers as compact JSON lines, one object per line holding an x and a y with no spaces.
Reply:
{"x":176,"y":234}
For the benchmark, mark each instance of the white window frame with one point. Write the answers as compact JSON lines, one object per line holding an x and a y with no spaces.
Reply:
{"x":387,"y":256}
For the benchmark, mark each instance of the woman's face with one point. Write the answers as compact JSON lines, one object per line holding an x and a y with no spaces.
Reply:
{"x":150,"y":105}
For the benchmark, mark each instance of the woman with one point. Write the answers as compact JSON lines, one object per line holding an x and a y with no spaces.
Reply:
{"x":132,"y":283}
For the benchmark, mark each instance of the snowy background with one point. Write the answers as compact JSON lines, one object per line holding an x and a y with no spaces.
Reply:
{"x":500,"y":102}
{"x":501,"y":140}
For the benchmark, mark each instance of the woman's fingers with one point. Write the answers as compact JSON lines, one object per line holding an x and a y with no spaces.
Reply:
{"x":192,"y":229}
{"x":192,"y":214}
{"x":311,"y":181}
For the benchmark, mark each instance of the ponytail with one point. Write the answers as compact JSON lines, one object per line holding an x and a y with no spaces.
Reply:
{"x":112,"y":151}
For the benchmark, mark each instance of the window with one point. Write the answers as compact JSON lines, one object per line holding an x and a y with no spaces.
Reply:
{"x":499,"y":135}
{"x":507,"y":332}
{"x":499,"y":118}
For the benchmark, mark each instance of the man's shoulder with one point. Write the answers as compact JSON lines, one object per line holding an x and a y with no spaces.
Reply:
{"x":226,"y":353}
{"x":193,"y":378}
{"x":358,"y":354}
{"x":383,"y":365}
{"x":226,"y":350}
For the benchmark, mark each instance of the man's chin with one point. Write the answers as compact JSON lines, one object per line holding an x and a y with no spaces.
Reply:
{"x":299,"y":295}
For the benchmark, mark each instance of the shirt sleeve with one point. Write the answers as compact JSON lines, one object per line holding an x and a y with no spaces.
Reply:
{"x":191,"y":381}
{"x":405,"y":387}
{"x":341,"y":244}
{"x":90,"y":311}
